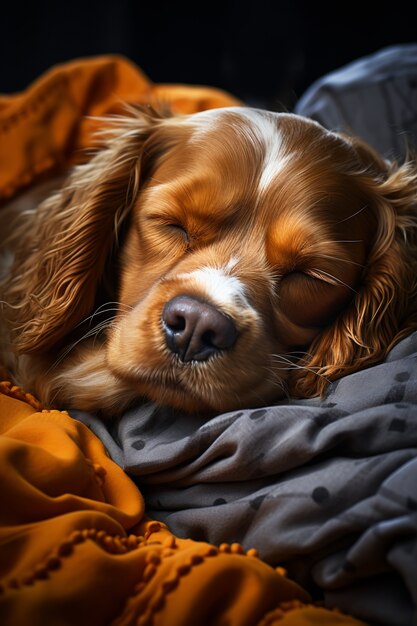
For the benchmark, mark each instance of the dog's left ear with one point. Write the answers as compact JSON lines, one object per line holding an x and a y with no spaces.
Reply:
{"x":56,"y":274}
{"x":384,"y":308}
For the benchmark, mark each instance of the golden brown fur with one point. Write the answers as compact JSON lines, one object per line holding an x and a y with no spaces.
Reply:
{"x":304,"y":238}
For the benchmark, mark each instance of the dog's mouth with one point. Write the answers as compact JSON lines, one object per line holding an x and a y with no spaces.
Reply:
{"x":200,"y":387}
{"x":188,"y":354}
{"x":170,"y":387}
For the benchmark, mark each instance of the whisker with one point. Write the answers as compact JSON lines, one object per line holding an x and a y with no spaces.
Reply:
{"x":56,"y":393}
{"x":346,"y":219}
{"x":336,"y":258}
{"x":156,"y":180}
{"x":333,"y":279}
{"x":289,"y":365}
{"x":93,"y":332}
{"x":102,"y":310}
{"x":300,"y":352}
{"x":120,"y":304}
{"x":297,"y":366}
{"x":342,"y":241}
{"x":111,"y":310}
{"x":273,"y":380}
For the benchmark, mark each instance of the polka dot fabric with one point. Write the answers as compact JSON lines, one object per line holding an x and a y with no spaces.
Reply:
{"x":331,"y":482}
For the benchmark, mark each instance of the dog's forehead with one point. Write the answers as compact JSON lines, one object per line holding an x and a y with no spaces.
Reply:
{"x":275,"y":139}
{"x":239,"y":161}
{"x":239,"y":118}
{"x":249,"y":123}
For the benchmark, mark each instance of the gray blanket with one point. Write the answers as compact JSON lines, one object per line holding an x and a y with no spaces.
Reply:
{"x":326,"y":488}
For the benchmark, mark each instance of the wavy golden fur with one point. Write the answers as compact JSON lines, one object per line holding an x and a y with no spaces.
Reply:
{"x":305,"y":240}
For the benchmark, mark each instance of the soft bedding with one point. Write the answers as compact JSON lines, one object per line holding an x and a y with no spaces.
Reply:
{"x":373,"y":97}
{"x":327,"y":488}
{"x":77,"y":549}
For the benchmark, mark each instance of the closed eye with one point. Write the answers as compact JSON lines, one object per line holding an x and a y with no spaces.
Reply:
{"x":312,"y":299}
{"x":319,"y":276}
{"x":163,"y":235}
{"x":178,"y":229}
{"x":169,"y":226}
{"x":312,"y":278}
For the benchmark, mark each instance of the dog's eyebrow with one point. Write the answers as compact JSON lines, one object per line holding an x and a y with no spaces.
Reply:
{"x":200,"y":204}
{"x":225,"y":217}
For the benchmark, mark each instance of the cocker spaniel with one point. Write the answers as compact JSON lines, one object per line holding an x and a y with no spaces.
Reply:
{"x":211,"y":261}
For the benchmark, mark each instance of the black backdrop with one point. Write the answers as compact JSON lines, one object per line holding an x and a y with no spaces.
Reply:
{"x":263,"y":51}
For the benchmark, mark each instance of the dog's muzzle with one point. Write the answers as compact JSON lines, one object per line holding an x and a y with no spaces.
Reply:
{"x":196,"y":330}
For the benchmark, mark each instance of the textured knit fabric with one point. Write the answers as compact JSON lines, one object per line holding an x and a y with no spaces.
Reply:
{"x":77,"y":550}
{"x":49,"y":125}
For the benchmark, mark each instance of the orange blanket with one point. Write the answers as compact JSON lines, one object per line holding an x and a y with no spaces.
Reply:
{"x":75,"y":545}
{"x":48,"y":126}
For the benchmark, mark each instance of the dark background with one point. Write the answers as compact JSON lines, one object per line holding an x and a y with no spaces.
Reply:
{"x":265,"y":52}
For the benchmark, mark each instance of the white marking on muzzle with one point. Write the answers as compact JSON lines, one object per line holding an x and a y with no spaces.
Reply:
{"x":221,"y":288}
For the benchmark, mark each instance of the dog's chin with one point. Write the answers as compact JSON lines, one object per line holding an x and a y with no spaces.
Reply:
{"x":216,"y":385}
{"x":166,"y":392}
{"x":178,"y":399}
{"x":203,"y":398}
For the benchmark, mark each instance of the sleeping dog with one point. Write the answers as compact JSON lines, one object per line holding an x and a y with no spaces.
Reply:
{"x":211,"y":261}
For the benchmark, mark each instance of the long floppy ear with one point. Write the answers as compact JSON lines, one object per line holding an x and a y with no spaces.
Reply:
{"x":384,"y":309}
{"x":60,"y":261}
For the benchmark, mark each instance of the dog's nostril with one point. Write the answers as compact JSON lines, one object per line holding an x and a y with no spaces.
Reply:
{"x":209,"y":338}
{"x":176,"y":323}
{"x":196,"y":330}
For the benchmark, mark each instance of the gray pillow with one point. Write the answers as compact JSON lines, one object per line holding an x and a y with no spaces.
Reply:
{"x":374,"y":97}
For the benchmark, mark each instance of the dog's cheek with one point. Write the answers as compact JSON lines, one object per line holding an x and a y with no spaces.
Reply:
{"x":136,"y":341}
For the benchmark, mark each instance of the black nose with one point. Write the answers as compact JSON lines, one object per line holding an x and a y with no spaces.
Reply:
{"x":196,"y":330}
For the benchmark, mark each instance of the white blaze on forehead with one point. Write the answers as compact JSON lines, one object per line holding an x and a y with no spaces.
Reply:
{"x":268,"y":134}
{"x":274,"y":161}
{"x":257,"y":126}
{"x":221,"y":288}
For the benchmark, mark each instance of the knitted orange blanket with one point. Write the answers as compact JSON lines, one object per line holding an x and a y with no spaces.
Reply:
{"x":49,"y":125}
{"x":77,"y":549}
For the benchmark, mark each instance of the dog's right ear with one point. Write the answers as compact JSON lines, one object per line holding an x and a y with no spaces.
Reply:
{"x":60,"y":259}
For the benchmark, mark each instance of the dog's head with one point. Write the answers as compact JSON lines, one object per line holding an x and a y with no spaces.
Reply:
{"x":253,"y":252}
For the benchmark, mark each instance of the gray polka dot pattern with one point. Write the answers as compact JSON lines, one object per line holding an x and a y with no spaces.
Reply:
{"x":326,"y":487}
